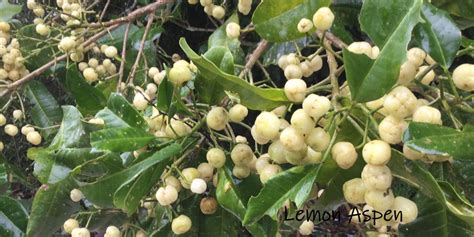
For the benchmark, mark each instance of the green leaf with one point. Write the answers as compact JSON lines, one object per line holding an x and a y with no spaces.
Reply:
{"x":102,"y":191}
{"x":253,"y":97}
{"x":13,"y":210}
{"x":221,"y":223}
{"x":51,"y":205}
{"x":119,"y":114}
{"x":389,"y":24}
{"x":209,"y":91}
{"x":45,"y":111}
{"x":7,"y":10}
{"x":71,"y":133}
{"x":88,"y":98}
{"x":460,"y":8}
{"x":3,"y":175}
{"x":169,"y":99}
{"x":438,"y":140}
{"x":8,"y":228}
{"x":438,"y":35}
{"x":120,"y":139}
{"x":277,"y":20}
{"x":219,"y":38}
{"x":117,"y":36}
{"x":276,"y":50}
{"x":294,"y":184}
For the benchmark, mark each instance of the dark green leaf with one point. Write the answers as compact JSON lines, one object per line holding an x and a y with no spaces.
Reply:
{"x":221,"y":223}
{"x":8,"y":228}
{"x":120,"y":139}
{"x":461,"y":8}
{"x":169,"y":99}
{"x":277,"y":20}
{"x":116,"y":36}
{"x":119,"y":113}
{"x":7,"y":10}
{"x":71,"y":133}
{"x":13,"y":210}
{"x":438,"y":35}
{"x":219,"y":38}
{"x":253,"y":97}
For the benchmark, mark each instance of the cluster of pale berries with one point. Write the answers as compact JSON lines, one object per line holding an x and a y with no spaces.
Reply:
{"x":218,"y":11}
{"x":32,"y":136}
{"x":322,"y":20}
{"x":12,"y":65}
{"x":93,"y":70}
{"x":71,"y":226}
{"x":72,"y":14}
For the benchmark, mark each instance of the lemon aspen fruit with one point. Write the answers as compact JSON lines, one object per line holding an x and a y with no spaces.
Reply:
{"x":316,"y":106}
{"x":416,"y":56}
{"x":411,"y":154}
{"x":302,"y":122}
{"x":407,"y":73}
{"x":258,"y":138}
{"x":323,"y":18}
{"x":276,"y":152}
{"x":295,"y":90}
{"x":112,"y":231}
{"x":318,"y":139}
{"x":238,"y":113}
{"x":111,"y":52}
{"x":380,"y":200}
{"x":67,"y":44}
{"x":268,"y":172}
{"x":3,"y":120}
{"x":428,"y":77}
{"x":11,"y":130}
{"x":198,"y":186}
{"x":296,"y":157}
{"x":208,"y":205}
{"x":179,"y":74}
{"x":69,"y":225}
{"x":375,"y":52}
{"x":376,"y":177}
{"x":188,"y":175}
{"x":241,"y":154}
{"x":17,"y":114}
{"x":217,"y":118}
{"x":354,"y":191}
{"x":283,"y":62}
{"x":42,"y":29}
{"x":427,"y":114}
{"x":34,"y":138}
{"x":463,"y":77}
{"x":80,"y":232}
{"x":391,"y":129}
{"x":166,"y":195}
{"x":177,"y":128}
{"x":141,"y":233}
{"x":206,"y":170}
{"x":76,"y":195}
{"x":181,"y":224}
{"x":292,"y":140}
{"x":215,"y":157}
{"x":306,"y":228}
{"x":267,"y":125}
{"x":241,"y":171}
{"x":376,"y":152}
{"x":174,"y":182}
{"x":407,"y":207}
{"x":361,"y":47}
{"x":140,"y":101}
{"x":293,"y":71}
{"x":400,"y":102}
{"x":244,"y":8}
{"x":90,"y":75}
{"x":152,"y":71}
{"x":205,"y":2}
{"x":344,"y":154}
{"x":261,"y":162}
{"x":2,"y":146}
{"x":232,"y":30}
{"x":304,"y":25}
{"x":218,"y":12}
{"x":208,"y":9}
{"x":312,"y":157}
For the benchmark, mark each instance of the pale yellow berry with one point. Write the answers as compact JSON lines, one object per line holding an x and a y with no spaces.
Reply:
{"x":295,"y":90}
{"x":67,"y":43}
{"x":153,"y":71}
{"x":177,"y":128}
{"x":174,"y":182}
{"x":179,"y":74}
{"x":293,"y":71}
{"x":42,"y":29}
{"x":400,"y":102}
{"x":90,"y":75}
{"x":206,"y":170}
{"x":181,"y":224}
{"x":361,"y":47}
{"x":166,"y":195}
{"x":216,"y":157}
{"x":376,"y":177}
{"x":407,"y":207}
{"x":34,"y":138}
{"x":411,"y":154}
{"x":241,"y":154}
{"x":306,"y":228}
{"x":318,"y":139}
{"x":158,"y":78}
{"x":69,"y":225}
{"x":268,"y":172}
{"x":316,"y":63}
{"x":267,"y":125}
{"x":407,"y":73}
{"x":238,"y":113}
{"x":218,"y":12}
{"x":427,"y":114}
{"x":217,"y":118}
{"x":292,"y":140}
{"x":391,"y":129}
{"x":111,"y":52}
{"x":232,"y":30}
{"x":3,"y":120}
{"x":316,"y":106}
{"x":112,"y":231}
{"x":344,"y":154}
{"x":428,"y":77}
{"x":302,"y":122}
{"x":416,"y":56}
{"x":376,"y":152}
{"x":17,"y":114}
{"x":463,"y":77}
{"x":305,"y":25}
{"x":312,"y":157}
{"x":205,"y":2}
{"x":11,"y":130}
{"x":380,"y":200}
{"x":241,"y":171}
{"x":354,"y":191}
{"x":76,"y":195}
{"x":323,"y":18}
{"x":276,"y":152}
{"x":140,"y":101}
{"x":188,"y":175}
{"x":80,"y":232}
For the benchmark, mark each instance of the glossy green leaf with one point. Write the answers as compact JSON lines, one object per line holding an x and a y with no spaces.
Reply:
{"x":88,"y":98}
{"x":13,"y":210}
{"x":8,"y":228}
{"x":276,"y":21}
{"x":102,"y":191}
{"x":389,"y":24}
{"x":169,"y":99}
{"x":294,"y":184}
{"x":219,"y":38}
{"x":221,"y":223}
{"x":209,"y":91}
{"x":120,"y":113}
{"x":438,"y":35}
{"x":71,"y":133}
{"x":7,"y":10}
{"x":253,"y":97}
{"x":116,"y":36}
{"x":438,"y":140}
{"x":120,"y":139}
{"x":460,"y":8}
{"x":45,"y":111}
{"x":51,"y":205}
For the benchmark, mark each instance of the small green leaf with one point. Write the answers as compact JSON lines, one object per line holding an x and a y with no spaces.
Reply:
{"x":120,"y":139}
{"x":277,"y":20}
{"x":221,"y":223}
{"x":119,"y":113}
{"x":253,"y":97}
{"x":438,"y":35}
{"x":169,"y":99}
{"x":7,"y":10}
{"x":71,"y":133}
{"x":219,"y":38}
{"x":13,"y":210}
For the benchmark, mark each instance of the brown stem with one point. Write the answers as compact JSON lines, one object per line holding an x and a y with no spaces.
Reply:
{"x":332,"y":71}
{"x":124,"y":55}
{"x":104,"y":11}
{"x":262,"y":46}
{"x":332,"y":38}
{"x":151,"y":17}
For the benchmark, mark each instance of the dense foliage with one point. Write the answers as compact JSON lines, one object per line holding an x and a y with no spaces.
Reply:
{"x":236,"y":118}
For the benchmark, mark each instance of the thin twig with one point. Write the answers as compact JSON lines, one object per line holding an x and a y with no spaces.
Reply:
{"x":262,"y":46}
{"x":332,"y":71}
{"x":332,"y":38}
{"x":104,"y":11}
{"x":131,"y":76}
{"x":124,"y":55}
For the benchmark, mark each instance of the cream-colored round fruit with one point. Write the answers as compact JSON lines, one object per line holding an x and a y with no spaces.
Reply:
{"x":166,"y":195}
{"x":293,"y":71}
{"x":391,"y":129}
{"x":17,"y":114}
{"x":267,"y":125}
{"x":376,"y":177}
{"x":232,"y":30}
{"x":354,"y":191}
{"x":174,"y":182}
{"x":179,"y":74}
{"x":42,"y":29}
{"x":238,"y":113}
{"x":400,"y":102}
{"x":34,"y":138}
{"x":218,"y":12}
{"x":216,"y":157}
{"x":198,"y":186}
{"x":361,"y":47}
{"x":111,"y":52}
{"x":112,"y":231}
{"x":139,"y":101}
{"x":268,"y":172}
{"x":217,"y":118}
{"x":376,"y":152}
{"x":312,"y":157}
{"x":11,"y":130}
{"x":305,"y":25}
{"x":323,"y":18}
{"x":181,"y":224}
{"x":80,"y":232}
{"x":3,"y":120}
{"x":428,"y":77}
{"x":295,"y":90}
{"x":261,"y":162}
{"x":67,"y":43}
{"x":292,"y":140}
{"x":90,"y":75}
{"x":407,"y":207}
{"x":427,"y":114}
{"x":306,"y":228}
{"x":206,"y":170}
{"x":407,"y":73}
{"x":411,"y":154}
{"x":296,"y":157}
{"x":241,"y":154}
{"x":380,"y":200}
{"x":316,"y":106}
{"x":76,"y":195}
{"x":69,"y":225}
{"x":318,"y":139}
{"x":259,"y":139}
{"x":302,"y":122}
{"x":416,"y":56}
{"x":188,"y":175}
{"x":27,"y":129}
{"x":276,"y":152}
{"x":463,"y":77}
{"x":153,"y":71}
{"x":141,"y":233}
{"x":241,"y":171}
{"x":344,"y":154}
